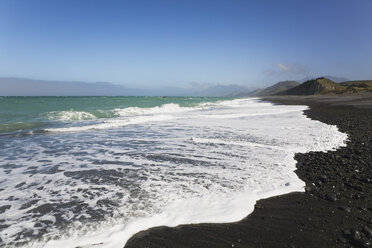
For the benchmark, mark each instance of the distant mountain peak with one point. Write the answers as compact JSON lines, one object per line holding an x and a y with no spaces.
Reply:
{"x":276,"y":88}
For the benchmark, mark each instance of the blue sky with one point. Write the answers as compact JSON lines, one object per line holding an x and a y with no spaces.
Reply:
{"x":172,"y":43}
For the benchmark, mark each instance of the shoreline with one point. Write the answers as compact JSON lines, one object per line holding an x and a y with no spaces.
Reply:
{"x":334,"y":211}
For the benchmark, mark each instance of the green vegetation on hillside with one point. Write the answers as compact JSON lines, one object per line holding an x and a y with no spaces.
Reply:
{"x":316,"y":86}
{"x":357,"y":86}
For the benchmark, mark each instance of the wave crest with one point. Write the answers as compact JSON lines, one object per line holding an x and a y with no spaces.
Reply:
{"x":67,"y":116}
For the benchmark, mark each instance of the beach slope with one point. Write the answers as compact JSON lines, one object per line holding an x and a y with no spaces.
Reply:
{"x":335,"y":210}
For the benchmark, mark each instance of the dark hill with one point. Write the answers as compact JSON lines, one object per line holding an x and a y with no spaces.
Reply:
{"x":316,"y":86}
{"x":276,"y":88}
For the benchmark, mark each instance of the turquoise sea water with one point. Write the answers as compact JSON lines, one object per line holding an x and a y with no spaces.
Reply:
{"x":24,"y":113}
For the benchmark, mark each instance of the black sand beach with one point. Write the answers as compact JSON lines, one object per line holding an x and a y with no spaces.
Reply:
{"x":335,"y":210}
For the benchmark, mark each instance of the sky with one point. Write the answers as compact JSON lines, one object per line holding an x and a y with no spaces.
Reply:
{"x":161,"y":43}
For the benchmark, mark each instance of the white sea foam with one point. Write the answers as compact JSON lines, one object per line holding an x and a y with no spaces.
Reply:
{"x":163,"y":109}
{"x":128,"y":116}
{"x":71,"y":115}
{"x":170,"y":165}
{"x":111,"y":123}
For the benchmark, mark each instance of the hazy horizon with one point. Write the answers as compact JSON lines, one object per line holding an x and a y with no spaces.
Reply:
{"x":12,"y":86}
{"x":150,"y":45}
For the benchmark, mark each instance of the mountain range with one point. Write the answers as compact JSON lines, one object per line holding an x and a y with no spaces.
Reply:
{"x":29,"y":87}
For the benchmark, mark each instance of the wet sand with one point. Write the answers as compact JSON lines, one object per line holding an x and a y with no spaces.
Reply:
{"x":335,"y":210}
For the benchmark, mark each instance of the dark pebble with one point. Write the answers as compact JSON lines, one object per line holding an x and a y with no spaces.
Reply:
{"x":323,"y":178}
{"x":258,"y":206}
{"x":356,"y":235}
{"x":357,"y":196}
{"x":331,"y":197}
{"x":362,"y":243}
{"x":347,"y":233}
{"x":367,"y":180}
{"x":344,"y":208}
{"x":308,"y":189}
{"x":367,"y":232}
{"x":342,"y":240}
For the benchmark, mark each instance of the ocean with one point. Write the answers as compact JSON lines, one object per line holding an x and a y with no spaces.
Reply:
{"x":93,"y":171}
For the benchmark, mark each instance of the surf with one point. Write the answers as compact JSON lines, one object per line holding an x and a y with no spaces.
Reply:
{"x":96,"y":182}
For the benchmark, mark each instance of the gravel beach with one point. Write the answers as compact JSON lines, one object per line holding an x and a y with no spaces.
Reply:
{"x":335,"y":210}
